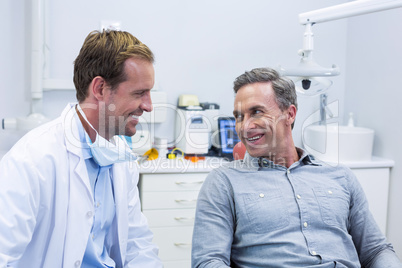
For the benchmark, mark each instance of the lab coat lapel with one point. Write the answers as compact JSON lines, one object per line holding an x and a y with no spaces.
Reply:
{"x":80,"y":214}
{"x":80,"y":205}
{"x":120,"y":195}
{"x":74,"y":146}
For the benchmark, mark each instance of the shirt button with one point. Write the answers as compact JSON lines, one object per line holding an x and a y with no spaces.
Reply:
{"x":89,"y":214}
{"x":288,"y":171}
{"x":262,"y":195}
{"x":298,"y":196}
{"x":314,"y":253}
{"x":330,"y":192}
{"x":77,"y":263}
{"x":305,"y":224}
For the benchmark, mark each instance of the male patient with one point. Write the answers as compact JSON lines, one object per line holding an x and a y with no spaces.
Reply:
{"x":279,"y":207}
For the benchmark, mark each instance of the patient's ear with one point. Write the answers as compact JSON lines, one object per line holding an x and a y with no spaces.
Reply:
{"x":291,"y":114}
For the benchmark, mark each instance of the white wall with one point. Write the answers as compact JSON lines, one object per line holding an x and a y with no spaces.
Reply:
{"x":14,"y":68}
{"x":200,"y":47}
{"x":374,"y":92}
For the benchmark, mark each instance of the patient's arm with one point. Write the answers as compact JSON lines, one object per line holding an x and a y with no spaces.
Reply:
{"x":386,"y":258}
{"x":372,"y":247}
{"x":214,"y":224}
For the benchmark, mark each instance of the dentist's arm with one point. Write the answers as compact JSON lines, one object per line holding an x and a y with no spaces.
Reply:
{"x":19,"y":197}
{"x":214,"y":224}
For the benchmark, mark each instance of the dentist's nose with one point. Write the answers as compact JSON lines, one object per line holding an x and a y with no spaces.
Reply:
{"x":146,"y":102}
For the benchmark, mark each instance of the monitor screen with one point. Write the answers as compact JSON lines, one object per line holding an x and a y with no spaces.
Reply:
{"x":227,"y":136}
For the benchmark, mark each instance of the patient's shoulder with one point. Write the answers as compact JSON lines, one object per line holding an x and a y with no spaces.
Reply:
{"x":232,"y":168}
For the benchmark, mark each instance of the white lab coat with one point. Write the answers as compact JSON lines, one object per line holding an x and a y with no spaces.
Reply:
{"x":46,"y":204}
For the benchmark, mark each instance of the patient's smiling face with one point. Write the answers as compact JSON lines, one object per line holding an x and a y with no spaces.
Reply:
{"x":260,"y":123}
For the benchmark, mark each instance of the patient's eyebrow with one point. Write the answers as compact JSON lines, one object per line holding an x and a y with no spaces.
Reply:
{"x":252,"y":108}
{"x":256,"y":107}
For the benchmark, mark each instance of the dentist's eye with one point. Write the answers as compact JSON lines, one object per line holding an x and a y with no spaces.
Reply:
{"x":139,"y":93}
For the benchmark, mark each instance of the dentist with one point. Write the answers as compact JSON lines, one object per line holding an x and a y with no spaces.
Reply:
{"x":68,"y":189}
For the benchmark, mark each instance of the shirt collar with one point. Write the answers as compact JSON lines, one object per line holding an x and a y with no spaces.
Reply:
{"x":307,"y":159}
{"x":255,"y":163}
{"x":84,"y":138}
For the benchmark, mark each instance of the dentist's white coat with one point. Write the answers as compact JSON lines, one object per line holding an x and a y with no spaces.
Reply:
{"x":46,"y":204}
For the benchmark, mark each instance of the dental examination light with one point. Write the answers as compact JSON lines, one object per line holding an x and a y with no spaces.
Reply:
{"x":310,"y":78}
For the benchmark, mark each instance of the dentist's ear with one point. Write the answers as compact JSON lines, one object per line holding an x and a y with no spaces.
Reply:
{"x":97,"y":87}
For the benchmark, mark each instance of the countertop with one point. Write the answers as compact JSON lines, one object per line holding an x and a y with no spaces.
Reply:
{"x":182,"y":166}
{"x":375,"y":162}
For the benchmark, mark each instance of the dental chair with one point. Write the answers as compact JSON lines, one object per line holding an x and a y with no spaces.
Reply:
{"x":239,"y":150}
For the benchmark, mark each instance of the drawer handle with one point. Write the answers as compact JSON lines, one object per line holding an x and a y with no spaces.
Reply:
{"x":182,"y":244}
{"x":185,"y":200}
{"x":184,"y":218}
{"x":186,"y":182}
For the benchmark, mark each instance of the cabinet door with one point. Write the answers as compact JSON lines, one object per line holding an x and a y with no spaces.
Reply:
{"x":170,"y":217}
{"x":174,"y":242}
{"x":177,"y":264}
{"x":169,"y":200}
{"x":375,"y":183}
{"x":172,"y":182}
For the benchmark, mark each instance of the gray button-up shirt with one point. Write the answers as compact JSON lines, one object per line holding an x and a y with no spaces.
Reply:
{"x":253,"y":213}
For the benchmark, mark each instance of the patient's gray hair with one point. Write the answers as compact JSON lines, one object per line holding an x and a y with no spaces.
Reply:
{"x":283,"y":87}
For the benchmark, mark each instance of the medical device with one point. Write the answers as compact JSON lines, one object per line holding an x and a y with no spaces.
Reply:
{"x":311,"y":78}
{"x":141,"y":141}
{"x":228,"y":137}
{"x":192,"y":127}
{"x":212,"y":112}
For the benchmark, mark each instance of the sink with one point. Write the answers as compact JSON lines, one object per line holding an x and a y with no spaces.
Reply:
{"x":334,"y":143}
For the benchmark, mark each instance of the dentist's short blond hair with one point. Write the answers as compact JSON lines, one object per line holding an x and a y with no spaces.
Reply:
{"x":103,"y":54}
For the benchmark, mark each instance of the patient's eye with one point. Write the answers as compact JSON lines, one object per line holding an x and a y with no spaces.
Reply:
{"x":257,"y":112}
{"x":238,"y":117}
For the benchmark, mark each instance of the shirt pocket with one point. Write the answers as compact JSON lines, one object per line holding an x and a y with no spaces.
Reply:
{"x":334,"y":205}
{"x":265,"y":211}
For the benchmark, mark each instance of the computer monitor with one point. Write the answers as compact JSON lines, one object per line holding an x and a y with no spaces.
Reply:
{"x":227,"y":136}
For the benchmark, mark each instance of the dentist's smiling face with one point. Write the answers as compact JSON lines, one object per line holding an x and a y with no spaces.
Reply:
{"x":260,"y":123}
{"x":125,"y":104}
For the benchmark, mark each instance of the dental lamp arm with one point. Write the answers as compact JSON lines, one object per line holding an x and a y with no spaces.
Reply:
{"x":355,"y":8}
{"x":307,"y":66}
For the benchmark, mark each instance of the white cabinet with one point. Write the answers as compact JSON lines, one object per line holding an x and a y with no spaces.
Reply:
{"x":374,"y":177}
{"x":168,"y":202}
{"x":375,"y":183}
